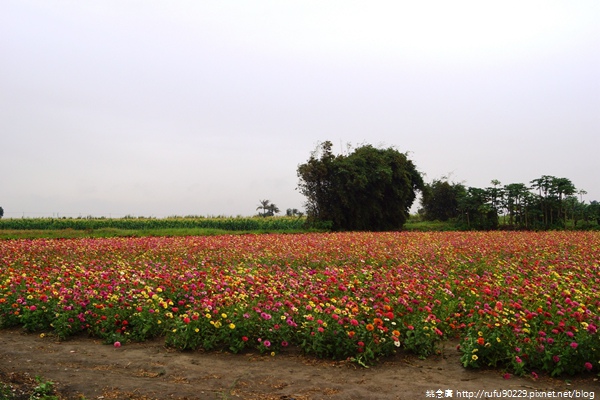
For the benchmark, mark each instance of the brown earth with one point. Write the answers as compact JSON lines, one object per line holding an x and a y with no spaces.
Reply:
{"x":85,"y":368}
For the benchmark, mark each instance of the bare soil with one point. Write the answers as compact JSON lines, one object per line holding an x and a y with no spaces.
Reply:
{"x":86,"y":368}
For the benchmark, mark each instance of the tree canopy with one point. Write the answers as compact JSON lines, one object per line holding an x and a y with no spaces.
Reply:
{"x":368,"y":189}
{"x":547,"y":204}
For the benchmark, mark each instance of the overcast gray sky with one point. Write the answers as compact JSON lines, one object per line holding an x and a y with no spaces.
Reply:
{"x":161,"y":108}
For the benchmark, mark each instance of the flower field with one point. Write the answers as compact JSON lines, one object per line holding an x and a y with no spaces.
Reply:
{"x":520,"y":302}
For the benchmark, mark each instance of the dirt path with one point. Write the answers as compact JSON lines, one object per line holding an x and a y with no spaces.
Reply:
{"x":86,"y":367}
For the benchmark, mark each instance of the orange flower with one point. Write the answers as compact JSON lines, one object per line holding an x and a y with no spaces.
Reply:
{"x":370,"y":327}
{"x":378,"y":321}
{"x":480,"y":341}
{"x":396,"y":333}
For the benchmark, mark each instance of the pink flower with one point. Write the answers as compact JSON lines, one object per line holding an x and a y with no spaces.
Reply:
{"x":32,"y":308}
{"x":117,"y":344}
{"x":534,"y":375}
{"x":518,"y":359}
{"x":574,"y":345}
{"x":284,"y":344}
{"x":267,"y":343}
{"x":588,"y":366}
{"x":506,"y":376}
{"x":555,"y":359}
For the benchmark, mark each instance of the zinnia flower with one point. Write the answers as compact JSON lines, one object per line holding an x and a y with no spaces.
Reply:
{"x":534,"y":375}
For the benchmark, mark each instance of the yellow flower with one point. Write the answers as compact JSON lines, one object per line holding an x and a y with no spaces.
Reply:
{"x":223,"y":315}
{"x":197,"y":330}
{"x":474,"y":357}
{"x":498,"y":340}
{"x":232,"y":326}
{"x":272,"y":354}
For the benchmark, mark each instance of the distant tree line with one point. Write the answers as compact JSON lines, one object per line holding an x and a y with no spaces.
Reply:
{"x":373,"y":189}
{"x":547,"y":202}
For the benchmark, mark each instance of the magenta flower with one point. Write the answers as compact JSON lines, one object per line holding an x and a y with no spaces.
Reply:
{"x":555,"y":359}
{"x":574,"y":345}
{"x":588,"y":366}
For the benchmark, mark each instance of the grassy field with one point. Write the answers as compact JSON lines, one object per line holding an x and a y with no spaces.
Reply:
{"x":32,"y":228}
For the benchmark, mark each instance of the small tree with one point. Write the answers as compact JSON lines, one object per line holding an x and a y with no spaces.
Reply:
{"x":268,"y":209}
{"x":1,"y":212}
{"x":273,"y":209}
{"x":293,"y":212}
{"x":264,"y":206}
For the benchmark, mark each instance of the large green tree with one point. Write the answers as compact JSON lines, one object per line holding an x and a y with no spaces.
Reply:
{"x":368,"y":189}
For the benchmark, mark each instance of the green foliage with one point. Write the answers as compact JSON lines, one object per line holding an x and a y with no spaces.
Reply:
{"x":440,"y":200}
{"x":1,"y":212}
{"x":476,"y":210}
{"x":148,"y":224}
{"x":549,"y":204}
{"x":369,"y":189}
{"x":5,"y":392}
{"x":43,"y":391}
{"x":593,"y":212}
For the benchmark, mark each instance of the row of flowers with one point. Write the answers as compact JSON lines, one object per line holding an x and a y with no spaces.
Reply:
{"x":517,"y":301}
